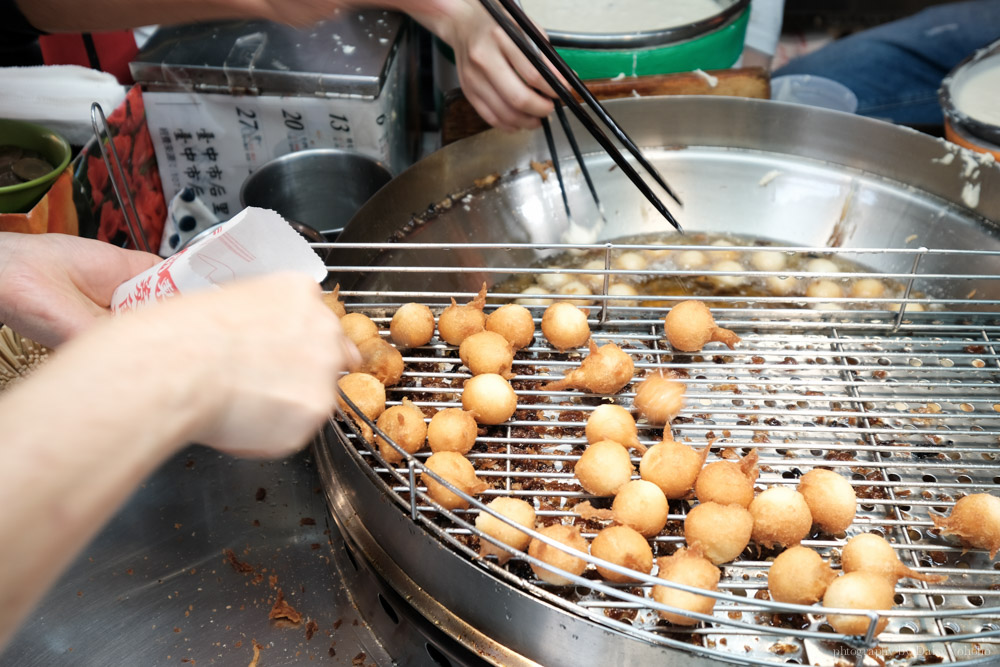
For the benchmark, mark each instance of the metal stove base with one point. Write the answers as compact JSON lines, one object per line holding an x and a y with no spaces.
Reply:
{"x":404,"y":634}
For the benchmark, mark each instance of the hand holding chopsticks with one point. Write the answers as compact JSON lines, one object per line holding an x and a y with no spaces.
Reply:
{"x":533,"y":44}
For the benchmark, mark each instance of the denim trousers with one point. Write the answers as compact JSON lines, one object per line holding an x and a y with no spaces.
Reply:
{"x":896,"y":69}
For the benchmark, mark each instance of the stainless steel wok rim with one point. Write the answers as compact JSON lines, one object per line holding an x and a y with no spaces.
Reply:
{"x":897,"y":155}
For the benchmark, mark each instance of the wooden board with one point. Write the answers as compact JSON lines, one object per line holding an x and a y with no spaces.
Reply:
{"x":460,"y":120}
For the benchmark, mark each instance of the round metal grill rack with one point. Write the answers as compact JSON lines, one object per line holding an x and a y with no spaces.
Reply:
{"x":900,"y":394}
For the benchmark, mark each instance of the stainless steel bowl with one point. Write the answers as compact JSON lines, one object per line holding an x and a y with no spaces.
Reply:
{"x":319,"y":188}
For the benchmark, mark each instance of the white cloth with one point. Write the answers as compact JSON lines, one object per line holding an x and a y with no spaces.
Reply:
{"x":764,"y":28}
{"x":58,"y":97}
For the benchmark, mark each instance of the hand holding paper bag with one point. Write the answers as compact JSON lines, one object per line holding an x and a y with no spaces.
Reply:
{"x":255,"y":242}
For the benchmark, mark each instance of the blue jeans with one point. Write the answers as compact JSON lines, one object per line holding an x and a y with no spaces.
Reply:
{"x":895,"y":69}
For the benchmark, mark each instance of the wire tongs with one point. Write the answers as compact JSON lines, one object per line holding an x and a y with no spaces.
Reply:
{"x":537,"y":49}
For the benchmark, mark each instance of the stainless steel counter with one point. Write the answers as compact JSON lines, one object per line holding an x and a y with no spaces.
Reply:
{"x":156,"y":588}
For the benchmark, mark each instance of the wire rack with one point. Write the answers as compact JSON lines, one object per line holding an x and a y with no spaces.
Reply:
{"x":899,"y":394}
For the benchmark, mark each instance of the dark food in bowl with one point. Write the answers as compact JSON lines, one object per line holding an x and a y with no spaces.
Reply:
{"x":19,"y":165}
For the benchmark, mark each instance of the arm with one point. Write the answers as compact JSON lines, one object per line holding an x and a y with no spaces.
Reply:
{"x":496,"y":77}
{"x":499,"y":81}
{"x":53,"y":286}
{"x":97,"y":15}
{"x":79,"y":435}
{"x":763,"y":32}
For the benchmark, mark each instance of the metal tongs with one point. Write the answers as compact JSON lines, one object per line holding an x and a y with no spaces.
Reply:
{"x":537,"y":50}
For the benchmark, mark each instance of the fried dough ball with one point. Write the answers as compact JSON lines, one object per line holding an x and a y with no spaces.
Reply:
{"x":404,"y":424}
{"x":720,"y":255}
{"x":659,"y":398}
{"x":831,"y":499}
{"x":625,"y":547}
{"x":629,"y":261}
{"x":868,"y":288}
{"x":782,"y":285}
{"x":366,"y":392}
{"x":799,"y":576}
{"x":553,"y":281}
{"x":858,"y":590}
{"x":575,"y":287}
{"x":780,"y":517}
{"x":976,"y":520}
{"x":594,"y":280}
{"x":768,"y":260}
{"x":517,"y":511}
{"x":824,"y":289}
{"x":690,"y":325}
{"x":606,"y":370}
{"x":459,"y":322}
{"x":641,"y":505}
{"x":603,"y":468}
{"x":412,"y":325}
{"x":452,"y":430}
{"x":728,"y":482}
{"x":690,"y":259}
{"x":358,"y":327}
{"x":457,"y":471}
{"x":722,"y":531}
{"x":622,"y":289}
{"x":571,"y":537}
{"x":728,"y":282}
{"x":613,"y":422}
{"x":490,"y":398}
{"x":565,"y":326}
{"x":673,"y":467}
{"x":380,"y":359}
{"x":821,"y":265}
{"x":911,"y":307}
{"x":514,"y":323}
{"x":691,"y":568}
{"x":333,"y":302}
{"x":873,"y":553}
{"x":530,"y":296}
{"x":487,"y":352}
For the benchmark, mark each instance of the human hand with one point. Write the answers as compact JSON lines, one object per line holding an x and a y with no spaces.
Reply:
{"x":249,"y":368}
{"x":253,"y":366}
{"x":52,"y":286}
{"x":497,"y":79}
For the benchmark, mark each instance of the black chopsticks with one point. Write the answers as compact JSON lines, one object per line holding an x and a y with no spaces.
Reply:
{"x":535,"y":47}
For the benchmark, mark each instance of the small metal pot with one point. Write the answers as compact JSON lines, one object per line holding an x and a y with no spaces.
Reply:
{"x":319,"y":188}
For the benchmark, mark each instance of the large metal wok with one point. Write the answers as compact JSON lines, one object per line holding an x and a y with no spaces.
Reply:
{"x":848,"y":389}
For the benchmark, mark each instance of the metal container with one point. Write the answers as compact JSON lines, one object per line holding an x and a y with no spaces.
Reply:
{"x":960,"y":128}
{"x":901,"y":399}
{"x":319,"y":188}
{"x":714,"y":42}
{"x":222,"y":99}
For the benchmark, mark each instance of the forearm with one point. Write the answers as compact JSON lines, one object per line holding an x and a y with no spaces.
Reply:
{"x":75,"y":441}
{"x":441,"y":17}
{"x":96,"y":15}
{"x":99,"y":15}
